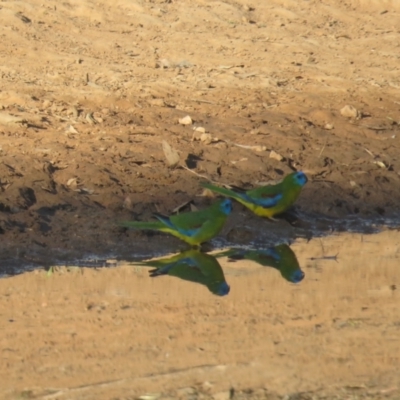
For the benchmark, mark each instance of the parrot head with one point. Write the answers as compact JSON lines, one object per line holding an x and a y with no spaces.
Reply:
{"x":299,"y":178}
{"x":297,"y":276}
{"x":220,"y":288}
{"x":226,"y":206}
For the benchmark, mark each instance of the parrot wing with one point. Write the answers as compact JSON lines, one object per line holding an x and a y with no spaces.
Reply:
{"x":187,"y":226}
{"x":266,"y":196}
{"x":266,"y":199}
{"x":162,"y":270}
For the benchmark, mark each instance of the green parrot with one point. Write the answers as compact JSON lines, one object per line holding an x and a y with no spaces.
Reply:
{"x":194,"y":266}
{"x":267,"y":201}
{"x":192,"y":227}
{"x":280,"y":257}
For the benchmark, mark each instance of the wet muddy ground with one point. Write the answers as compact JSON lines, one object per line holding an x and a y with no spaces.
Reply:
{"x":88,"y":93}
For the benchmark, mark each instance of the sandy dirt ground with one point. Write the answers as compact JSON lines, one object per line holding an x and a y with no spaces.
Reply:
{"x":88,"y":93}
{"x":115,"y":333}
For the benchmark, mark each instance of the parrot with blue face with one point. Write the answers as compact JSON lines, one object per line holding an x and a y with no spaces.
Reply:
{"x":280,"y":257}
{"x":192,"y":227}
{"x":194,"y":266}
{"x":270,"y":200}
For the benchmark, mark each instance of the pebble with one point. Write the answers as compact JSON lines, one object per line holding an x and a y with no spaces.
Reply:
{"x":275,"y":155}
{"x":222,"y":396}
{"x":185,"y":120}
{"x":349,"y":112}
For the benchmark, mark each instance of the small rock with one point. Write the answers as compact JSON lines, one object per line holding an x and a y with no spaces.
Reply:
{"x":349,"y":112}
{"x":71,"y":111}
{"x":207,"y":193}
{"x":8,"y":119}
{"x":206,"y":138}
{"x":157,"y":102}
{"x":72,"y":183}
{"x":127,"y":204}
{"x":380,"y":164}
{"x":222,"y":396}
{"x":196,"y":136}
{"x":163,"y":63}
{"x":149,"y":396}
{"x":46,"y":104}
{"x":90,"y":118}
{"x":200,"y":129}
{"x":328,"y":127}
{"x":171,"y":154}
{"x":71,"y":129}
{"x":186,"y":120}
{"x":275,"y":155}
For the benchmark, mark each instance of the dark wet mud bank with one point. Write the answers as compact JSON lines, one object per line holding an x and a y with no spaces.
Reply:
{"x":97,"y":248}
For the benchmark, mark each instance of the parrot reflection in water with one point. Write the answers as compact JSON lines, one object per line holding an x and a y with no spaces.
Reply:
{"x":280,"y":257}
{"x":194,"y":266}
{"x":267,"y":201}
{"x":192,"y":227}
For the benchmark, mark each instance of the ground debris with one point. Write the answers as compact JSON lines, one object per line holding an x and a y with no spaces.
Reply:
{"x":171,"y":154}
{"x":341,"y":393}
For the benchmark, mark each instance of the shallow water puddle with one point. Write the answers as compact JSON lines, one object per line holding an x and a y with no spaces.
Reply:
{"x":83,"y":326}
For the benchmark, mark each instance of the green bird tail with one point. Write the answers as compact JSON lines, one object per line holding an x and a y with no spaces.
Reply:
{"x":223,"y":191}
{"x":143,"y":225}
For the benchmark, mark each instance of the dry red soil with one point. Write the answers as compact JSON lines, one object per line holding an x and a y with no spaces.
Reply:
{"x":88,"y":93}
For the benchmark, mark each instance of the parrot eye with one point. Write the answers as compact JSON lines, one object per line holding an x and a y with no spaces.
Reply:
{"x":226,"y":206}
{"x":300,"y":178}
{"x":298,"y":276}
